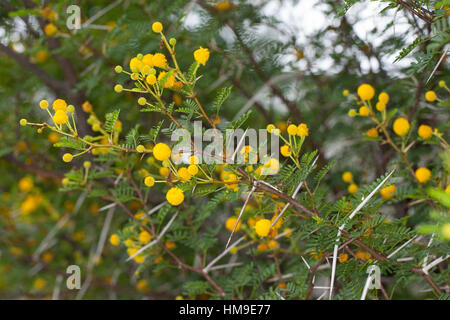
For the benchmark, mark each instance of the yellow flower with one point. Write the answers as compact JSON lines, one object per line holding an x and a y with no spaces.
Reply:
{"x":362,"y":255}
{"x":43,"y":104}
{"x":30,"y":204}
{"x":229,"y":224}
{"x":149,"y":181}
{"x":184,"y":173}
{"x":347,"y":176}
{"x":380,"y":106}
{"x":223,"y":5}
{"x":39,"y":284}
{"x":388,"y":192}
{"x":285,"y":150}
{"x":345,"y":93}
{"x":170,"y":81}
{"x":292,"y":129}
{"x":145,"y":237}
{"x":430,"y":96}
{"x":423,"y":175}
{"x":353,"y":188}
{"x":201,"y":55}
{"x":114,"y":239}
{"x":447,"y":189}
{"x":136,"y":65}
{"x":67,"y":157}
{"x":60,"y":104}
{"x":159,"y":60}
{"x":47,"y":257}
{"x":262,"y":247}
{"x":170,"y":244}
{"x":366,"y":91}
{"x":175,"y":196}
{"x":270,"y":127}
{"x":148,"y":60}
{"x":352,"y":113}
{"x":161,"y":151}
{"x":25,"y":184}
{"x":164,"y":171}
{"x":157,"y":27}
{"x":372,"y":132}
{"x":425,"y":132}
{"x":262,"y":227}
{"x":272,"y":244}
{"x":302,"y":130}
{"x":50,"y":29}
{"x":142,"y":286}
{"x":364,"y":111}
{"x":151,"y":79}
{"x":139,"y":258}
{"x":192,"y":169}
{"x":42,"y":56}
{"x":401,"y":126}
{"x":383,"y":97}
{"x":446,"y":231}
{"x":343,"y":257}
{"x":87,"y":106}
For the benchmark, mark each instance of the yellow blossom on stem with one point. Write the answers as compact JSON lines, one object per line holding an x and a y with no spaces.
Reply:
{"x":201,"y":55}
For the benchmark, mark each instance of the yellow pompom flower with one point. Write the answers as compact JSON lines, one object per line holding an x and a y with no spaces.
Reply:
{"x":136,"y":65}
{"x":430,"y":96}
{"x":345,"y":93}
{"x":87,"y":107}
{"x":175,"y":196}
{"x":170,"y":244}
{"x":380,"y":106}
{"x":364,"y":111}
{"x":366,"y":91}
{"x":170,"y":81}
{"x":59,"y":104}
{"x":157,"y":27}
{"x":262,"y":227}
{"x":39,"y":284}
{"x":401,"y":126}
{"x":142,"y":286}
{"x":272,"y":244}
{"x":383,"y":97}
{"x":292,"y":129}
{"x":184,"y":173}
{"x":67,"y":157}
{"x":372,"y":132}
{"x":353,"y":188}
{"x":388,"y":192}
{"x":114,"y":239}
{"x":26,"y":184}
{"x":144,"y":237}
{"x":270,"y":127}
{"x":447,"y":189}
{"x":201,"y":55}
{"x":423,"y":175}
{"x":43,"y":104}
{"x":347,"y":176}
{"x":151,"y":79}
{"x":302,"y":130}
{"x":140,"y":148}
{"x":149,"y":181}
{"x":352,"y":113}
{"x":261,"y":247}
{"x":343,"y":257}
{"x":60,"y":117}
{"x":159,"y":60}
{"x":285,"y":150}
{"x":50,"y":29}
{"x":164,"y":171}
{"x":192,"y":169}
{"x":161,"y":151}
{"x":425,"y":132}
{"x":148,"y":60}
{"x":231,"y":221}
